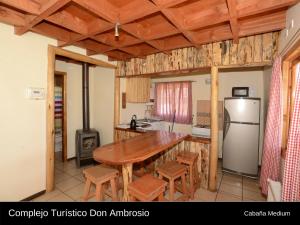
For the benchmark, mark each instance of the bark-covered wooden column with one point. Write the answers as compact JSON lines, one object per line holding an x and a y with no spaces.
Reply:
{"x":213,"y":162}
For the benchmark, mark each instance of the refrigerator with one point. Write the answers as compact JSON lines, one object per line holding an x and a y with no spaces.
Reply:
{"x":241,"y":135}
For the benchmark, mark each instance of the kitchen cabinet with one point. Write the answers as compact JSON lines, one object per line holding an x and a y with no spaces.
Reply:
{"x":138,"y":90}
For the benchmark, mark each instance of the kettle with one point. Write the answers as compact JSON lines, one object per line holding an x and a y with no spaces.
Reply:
{"x":133,"y":122}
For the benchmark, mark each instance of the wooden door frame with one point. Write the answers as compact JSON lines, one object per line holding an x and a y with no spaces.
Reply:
{"x":288,"y":62}
{"x":52,"y":53}
{"x":65,"y":113}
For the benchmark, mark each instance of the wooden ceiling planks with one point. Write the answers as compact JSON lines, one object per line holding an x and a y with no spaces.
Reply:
{"x":146,"y":26}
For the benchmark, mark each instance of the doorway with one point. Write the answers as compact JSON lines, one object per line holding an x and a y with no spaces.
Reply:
{"x":60,"y":115}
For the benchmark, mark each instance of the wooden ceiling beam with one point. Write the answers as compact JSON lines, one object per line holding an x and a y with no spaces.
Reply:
{"x":132,"y":12}
{"x":94,"y":46}
{"x":94,"y":28}
{"x":46,"y":10}
{"x":187,"y":34}
{"x":260,"y":6}
{"x":141,"y":38}
{"x":69,"y":21}
{"x":168,"y":3}
{"x":24,"y":5}
{"x":105,"y":10}
{"x":262,"y":24}
{"x":52,"y":31}
{"x":12,"y":17}
{"x":231,"y":4}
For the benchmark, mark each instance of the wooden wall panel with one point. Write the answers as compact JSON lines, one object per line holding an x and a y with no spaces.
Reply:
{"x":257,"y":49}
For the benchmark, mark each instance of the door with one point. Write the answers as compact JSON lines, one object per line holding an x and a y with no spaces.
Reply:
{"x":242,"y":110}
{"x":240,"y":148}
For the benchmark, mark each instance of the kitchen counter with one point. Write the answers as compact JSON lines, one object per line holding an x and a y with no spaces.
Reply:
{"x":204,"y":140}
{"x":129,"y":130}
{"x":191,"y":138}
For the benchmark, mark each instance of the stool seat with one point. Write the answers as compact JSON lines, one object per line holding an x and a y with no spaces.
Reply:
{"x":100,"y":172}
{"x":147,"y":188}
{"x":187,"y":157}
{"x":99,"y":175}
{"x":171,"y":169}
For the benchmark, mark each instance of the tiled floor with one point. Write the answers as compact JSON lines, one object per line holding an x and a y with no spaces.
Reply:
{"x":69,"y":185}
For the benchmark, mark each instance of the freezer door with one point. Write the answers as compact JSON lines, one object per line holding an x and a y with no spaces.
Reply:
{"x":242,"y":110}
{"x":240,"y":148}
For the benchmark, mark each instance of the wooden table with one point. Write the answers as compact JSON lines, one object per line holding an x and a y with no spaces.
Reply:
{"x":134,"y":150}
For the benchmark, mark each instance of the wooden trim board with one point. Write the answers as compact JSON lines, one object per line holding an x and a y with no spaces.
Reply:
{"x":52,"y":52}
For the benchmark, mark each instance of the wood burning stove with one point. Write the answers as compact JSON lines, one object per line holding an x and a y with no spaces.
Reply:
{"x":86,"y":139}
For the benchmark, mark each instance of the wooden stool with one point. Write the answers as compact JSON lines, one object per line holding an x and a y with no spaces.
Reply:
{"x":147,"y":188}
{"x":100,"y":175}
{"x":190,"y":160}
{"x":173,"y":171}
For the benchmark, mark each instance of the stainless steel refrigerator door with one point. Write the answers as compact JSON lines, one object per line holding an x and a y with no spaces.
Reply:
{"x":242,"y":110}
{"x":240,"y":148}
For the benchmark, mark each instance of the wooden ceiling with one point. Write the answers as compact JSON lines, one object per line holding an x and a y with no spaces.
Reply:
{"x":146,"y":26}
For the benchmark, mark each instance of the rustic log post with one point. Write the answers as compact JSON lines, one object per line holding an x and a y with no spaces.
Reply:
{"x":127,"y":178}
{"x":213,"y":165}
{"x":50,"y":121}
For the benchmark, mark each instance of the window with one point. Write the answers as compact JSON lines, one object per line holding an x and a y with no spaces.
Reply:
{"x":173,"y":101}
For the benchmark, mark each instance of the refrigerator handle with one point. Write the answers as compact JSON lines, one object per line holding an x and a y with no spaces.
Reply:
{"x":226,"y":122}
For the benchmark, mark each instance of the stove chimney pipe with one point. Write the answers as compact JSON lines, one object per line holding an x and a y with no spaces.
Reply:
{"x":85,"y":96}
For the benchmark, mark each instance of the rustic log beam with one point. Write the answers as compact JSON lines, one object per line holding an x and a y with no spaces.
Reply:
{"x":213,"y":165}
{"x":231,"y":4}
{"x":46,"y":10}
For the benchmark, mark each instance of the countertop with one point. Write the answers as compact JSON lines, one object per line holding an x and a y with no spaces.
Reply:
{"x":191,"y":138}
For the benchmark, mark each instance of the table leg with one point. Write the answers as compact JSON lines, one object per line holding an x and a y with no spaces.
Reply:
{"x":127,"y":178}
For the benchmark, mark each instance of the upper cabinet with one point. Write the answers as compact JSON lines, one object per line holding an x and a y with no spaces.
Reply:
{"x":138,"y":90}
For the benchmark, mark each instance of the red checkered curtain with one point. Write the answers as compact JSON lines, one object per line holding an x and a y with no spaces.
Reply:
{"x":270,"y":167}
{"x":291,"y":175}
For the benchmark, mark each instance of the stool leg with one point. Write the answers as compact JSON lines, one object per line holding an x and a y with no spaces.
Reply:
{"x":114,"y":190}
{"x":197,"y":176}
{"x":86,"y":189}
{"x":191,"y":181}
{"x":172,"y":190}
{"x":183,"y":181}
{"x":99,"y":195}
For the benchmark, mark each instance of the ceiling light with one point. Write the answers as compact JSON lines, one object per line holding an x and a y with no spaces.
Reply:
{"x":117,"y":29}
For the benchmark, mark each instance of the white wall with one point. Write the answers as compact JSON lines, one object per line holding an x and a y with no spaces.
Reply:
{"x":103,"y":103}
{"x":23,"y":63}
